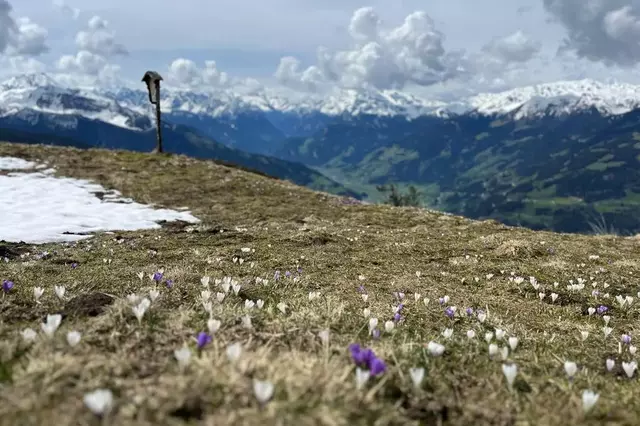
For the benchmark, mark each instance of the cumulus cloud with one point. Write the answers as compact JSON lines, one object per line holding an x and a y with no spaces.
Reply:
{"x":381,"y":58}
{"x":7,"y":25}
{"x":186,"y":73}
{"x":20,"y":37}
{"x":30,"y":38}
{"x":606,"y":31}
{"x":65,"y":8}
{"x":514,"y":48}
{"x":96,"y":45}
{"x":99,"y":39}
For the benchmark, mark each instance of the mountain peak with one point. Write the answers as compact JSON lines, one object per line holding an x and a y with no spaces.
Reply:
{"x":29,"y":81}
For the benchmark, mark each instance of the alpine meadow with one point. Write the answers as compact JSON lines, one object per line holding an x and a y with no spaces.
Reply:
{"x":318,"y":213}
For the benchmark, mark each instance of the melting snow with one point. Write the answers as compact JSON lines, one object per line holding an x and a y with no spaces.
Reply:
{"x":39,"y":208}
{"x":10,"y":163}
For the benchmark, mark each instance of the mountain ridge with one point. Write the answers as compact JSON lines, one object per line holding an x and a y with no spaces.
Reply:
{"x":609,"y":98}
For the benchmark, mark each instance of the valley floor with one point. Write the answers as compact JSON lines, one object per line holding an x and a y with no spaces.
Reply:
{"x":454,"y":274}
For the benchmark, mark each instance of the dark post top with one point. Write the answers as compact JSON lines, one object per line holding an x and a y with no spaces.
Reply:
{"x":151,"y":75}
{"x":152,"y":79}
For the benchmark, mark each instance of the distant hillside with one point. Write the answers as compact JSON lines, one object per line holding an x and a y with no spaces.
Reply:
{"x":30,"y":126}
{"x":557,"y":172}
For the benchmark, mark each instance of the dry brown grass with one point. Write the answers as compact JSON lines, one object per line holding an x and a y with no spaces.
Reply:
{"x":43,"y":383}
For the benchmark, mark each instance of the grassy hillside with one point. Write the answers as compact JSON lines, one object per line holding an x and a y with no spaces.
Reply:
{"x":333,"y":242}
{"x":553,"y":172}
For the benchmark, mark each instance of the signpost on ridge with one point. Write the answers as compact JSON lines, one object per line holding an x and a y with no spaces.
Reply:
{"x":152,"y":80}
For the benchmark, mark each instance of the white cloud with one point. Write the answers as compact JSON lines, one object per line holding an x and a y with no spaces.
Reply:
{"x":20,"y":37}
{"x":187,"y":74}
{"x":31,"y":38}
{"x":605,"y":31}
{"x":61,"y":5}
{"x":99,"y":39}
{"x":412,"y":53}
{"x":83,"y":62}
{"x":514,"y":48}
{"x":96,"y":45}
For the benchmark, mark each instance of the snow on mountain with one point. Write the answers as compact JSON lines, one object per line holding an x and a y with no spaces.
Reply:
{"x":559,"y":98}
{"x":40,"y":93}
{"x":124,"y":105}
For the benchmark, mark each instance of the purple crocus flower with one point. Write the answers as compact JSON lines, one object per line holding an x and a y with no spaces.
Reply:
{"x":362,"y":290}
{"x":469,"y":311}
{"x":355,"y":350}
{"x":287,"y":274}
{"x":74,"y":265}
{"x":157,"y":277}
{"x":602,"y":309}
{"x":169,"y":283}
{"x":203,"y":339}
{"x":626,"y":339}
{"x":449,"y":312}
{"x":299,"y":270}
{"x":441,"y":300}
{"x":377,"y":366}
{"x":595,"y":293}
{"x":375,"y":334}
{"x":360,"y":355}
{"x":7,"y":286}
{"x":397,"y":317}
{"x":276,"y":276}
{"x":365,"y":358}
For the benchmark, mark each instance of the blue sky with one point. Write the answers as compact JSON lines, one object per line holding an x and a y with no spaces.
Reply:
{"x":400,"y":44}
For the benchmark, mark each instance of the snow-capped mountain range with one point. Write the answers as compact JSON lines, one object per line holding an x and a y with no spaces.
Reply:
{"x":125,"y":107}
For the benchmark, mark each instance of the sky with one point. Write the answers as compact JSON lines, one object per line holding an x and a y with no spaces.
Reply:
{"x":315,"y":46}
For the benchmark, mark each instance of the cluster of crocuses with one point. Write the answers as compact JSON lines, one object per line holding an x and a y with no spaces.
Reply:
{"x":367,"y":364}
{"x":277,"y":275}
{"x":365,"y":358}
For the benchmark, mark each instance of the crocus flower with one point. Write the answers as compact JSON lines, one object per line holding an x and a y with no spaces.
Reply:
{"x":377,"y":366}
{"x":362,"y":290}
{"x":157,"y":277}
{"x":449,"y":312}
{"x":203,"y":339}
{"x":99,"y":401}
{"x":169,"y":283}
{"x":357,"y":353}
{"x":276,"y":276}
{"x":263,"y":390}
{"x":602,"y":309}
{"x":589,"y":399}
{"x":287,"y":274}
{"x":397,"y":317}
{"x":469,"y":311}
{"x":74,"y":265}
{"x":375,"y":334}
{"x":7,"y":286}
{"x":626,"y":339}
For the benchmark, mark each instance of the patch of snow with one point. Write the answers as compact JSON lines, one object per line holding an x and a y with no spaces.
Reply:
{"x":12,"y":163}
{"x":40,"y":208}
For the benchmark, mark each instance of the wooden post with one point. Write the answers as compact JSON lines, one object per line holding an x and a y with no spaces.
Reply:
{"x":158,"y":121}
{"x":153,"y":79}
